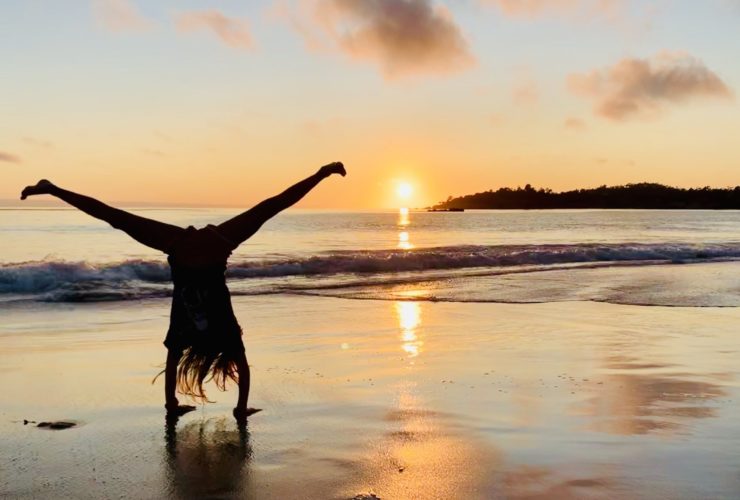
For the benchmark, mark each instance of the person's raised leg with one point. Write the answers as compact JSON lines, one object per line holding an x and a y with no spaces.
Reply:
{"x":238,"y":229}
{"x":151,"y":233}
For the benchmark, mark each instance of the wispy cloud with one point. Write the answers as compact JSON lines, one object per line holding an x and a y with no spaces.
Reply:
{"x":609,"y":9}
{"x":153,"y":152}
{"x":402,"y":37}
{"x":120,"y":15}
{"x":645,"y":87}
{"x":9,"y":158}
{"x":495,"y":119}
{"x":573,"y":123}
{"x":38,"y":143}
{"x":525,"y":90}
{"x":231,"y":31}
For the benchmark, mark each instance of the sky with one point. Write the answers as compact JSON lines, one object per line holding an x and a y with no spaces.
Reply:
{"x":197,"y":102}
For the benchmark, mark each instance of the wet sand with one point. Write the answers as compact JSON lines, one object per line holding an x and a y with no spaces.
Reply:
{"x":404,"y":400}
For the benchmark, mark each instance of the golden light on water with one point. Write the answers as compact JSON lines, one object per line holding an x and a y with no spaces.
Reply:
{"x":403,"y":241}
{"x":409,"y":319}
{"x":409,"y":315}
{"x":403,"y":217}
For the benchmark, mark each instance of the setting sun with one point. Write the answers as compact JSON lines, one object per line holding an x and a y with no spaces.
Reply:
{"x":404,"y":190}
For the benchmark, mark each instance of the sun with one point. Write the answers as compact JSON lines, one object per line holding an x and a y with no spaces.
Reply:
{"x":404,"y":190}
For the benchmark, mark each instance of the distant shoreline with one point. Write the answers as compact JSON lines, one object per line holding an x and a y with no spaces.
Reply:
{"x":642,"y":196}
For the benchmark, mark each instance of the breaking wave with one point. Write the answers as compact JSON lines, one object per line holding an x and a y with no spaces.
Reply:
{"x":61,"y":281}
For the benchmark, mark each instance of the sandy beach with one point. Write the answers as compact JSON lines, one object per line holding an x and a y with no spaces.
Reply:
{"x":396,"y":399}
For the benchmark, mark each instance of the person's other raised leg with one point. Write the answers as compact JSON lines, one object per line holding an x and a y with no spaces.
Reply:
{"x":151,"y":233}
{"x":240,"y":228}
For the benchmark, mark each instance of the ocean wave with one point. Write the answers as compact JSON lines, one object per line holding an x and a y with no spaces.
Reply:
{"x":80,"y":281}
{"x":45,"y":276}
{"x":470,"y":256}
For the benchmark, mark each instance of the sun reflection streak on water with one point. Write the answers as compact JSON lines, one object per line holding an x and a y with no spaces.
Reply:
{"x":403,"y":241}
{"x":420,"y":456}
{"x":403,"y":217}
{"x":409,"y":320}
{"x":404,"y":220}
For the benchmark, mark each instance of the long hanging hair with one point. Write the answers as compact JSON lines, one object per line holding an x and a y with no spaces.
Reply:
{"x":203,"y":362}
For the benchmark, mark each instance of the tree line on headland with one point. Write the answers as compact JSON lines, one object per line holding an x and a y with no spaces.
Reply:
{"x":643,"y":195}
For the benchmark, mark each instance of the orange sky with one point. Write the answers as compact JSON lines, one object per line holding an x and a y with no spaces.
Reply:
{"x":181,"y":103}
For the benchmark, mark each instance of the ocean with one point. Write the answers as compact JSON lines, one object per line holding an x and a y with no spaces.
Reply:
{"x":648,"y":258}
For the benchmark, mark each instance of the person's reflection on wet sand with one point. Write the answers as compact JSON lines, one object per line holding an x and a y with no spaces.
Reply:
{"x":207,"y":459}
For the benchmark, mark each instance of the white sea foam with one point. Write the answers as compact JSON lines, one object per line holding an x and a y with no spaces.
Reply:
{"x":136,"y":279}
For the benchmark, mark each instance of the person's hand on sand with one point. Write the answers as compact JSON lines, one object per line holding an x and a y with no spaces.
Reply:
{"x":241,"y":414}
{"x":178,"y":410}
{"x":333,"y":168}
{"x":42,"y":187}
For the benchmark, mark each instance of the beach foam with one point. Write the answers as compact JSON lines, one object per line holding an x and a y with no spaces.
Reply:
{"x":62,"y":281}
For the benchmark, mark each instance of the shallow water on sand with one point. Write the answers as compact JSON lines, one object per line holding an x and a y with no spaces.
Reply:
{"x":401,"y":399}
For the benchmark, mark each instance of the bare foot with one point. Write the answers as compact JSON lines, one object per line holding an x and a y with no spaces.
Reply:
{"x":334,"y":168}
{"x":42,"y":187}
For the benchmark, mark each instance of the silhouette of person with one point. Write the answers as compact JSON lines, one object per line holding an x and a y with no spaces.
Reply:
{"x":204,"y":339}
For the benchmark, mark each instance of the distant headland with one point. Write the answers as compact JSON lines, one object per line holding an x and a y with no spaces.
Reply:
{"x":643,"y":195}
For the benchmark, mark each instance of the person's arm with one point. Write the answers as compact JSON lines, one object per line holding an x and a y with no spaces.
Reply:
{"x":240,"y":228}
{"x":151,"y":233}
{"x":172,"y":405}
{"x":241,"y":411}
